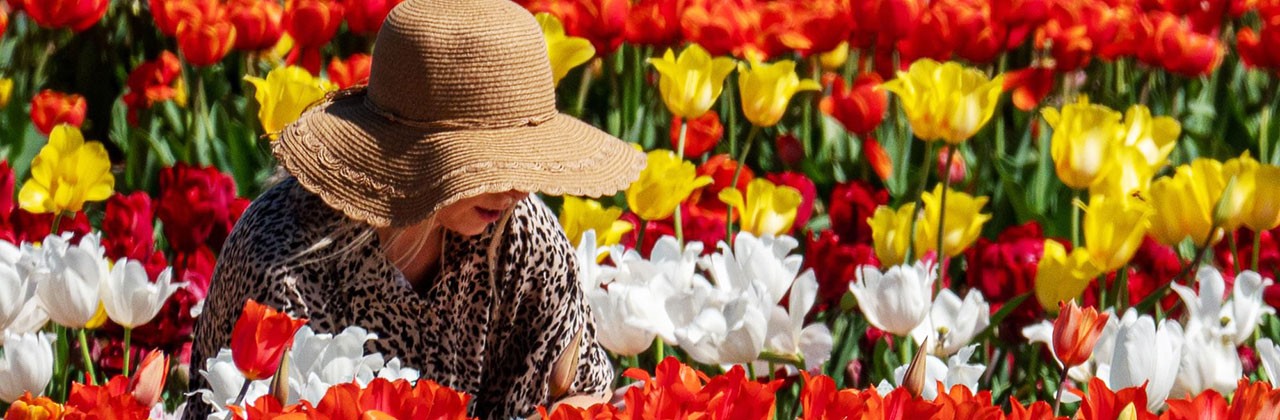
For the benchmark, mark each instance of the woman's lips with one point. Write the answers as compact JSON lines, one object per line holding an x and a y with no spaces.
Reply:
{"x":488,"y":215}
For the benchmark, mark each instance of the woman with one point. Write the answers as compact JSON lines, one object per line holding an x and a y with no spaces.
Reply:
{"x":408,"y":213}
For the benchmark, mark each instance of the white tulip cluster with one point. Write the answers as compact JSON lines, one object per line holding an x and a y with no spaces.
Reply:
{"x":730,"y":315}
{"x":316,"y":362}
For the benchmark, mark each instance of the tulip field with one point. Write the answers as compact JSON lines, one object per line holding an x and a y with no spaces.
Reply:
{"x":882,"y":209}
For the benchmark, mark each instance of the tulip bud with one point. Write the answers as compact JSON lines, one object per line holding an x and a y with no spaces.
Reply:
{"x":913,"y":380}
{"x":280,"y":381}
{"x":148,"y":382}
{"x":833,"y":60}
{"x":1075,"y":332}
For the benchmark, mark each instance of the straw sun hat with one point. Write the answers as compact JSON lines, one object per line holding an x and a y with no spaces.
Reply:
{"x":460,"y":102}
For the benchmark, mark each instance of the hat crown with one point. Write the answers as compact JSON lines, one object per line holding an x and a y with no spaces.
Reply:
{"x":468,"y":63}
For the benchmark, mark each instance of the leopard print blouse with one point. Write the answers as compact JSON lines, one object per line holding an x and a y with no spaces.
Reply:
{"x":495,"y":338}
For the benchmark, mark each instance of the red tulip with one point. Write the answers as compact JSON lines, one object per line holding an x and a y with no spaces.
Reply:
{"x":111,"y":400}
{"x":57,"y":14}
{"x":169,"y":13}
{"x":738,"y":28}
{"x":816,"y":27}
{"x":364,"y":17}
{"x":851,"y":204}
{"x":1254,"y":400}
{"x":50,"y":108}
{"x":720,"y":168}
{"x":603,"y":22}
{"x":861,"y":107}
{"x":153,"y":82}
{"x":1250,"y":44}
{"x":350,"y":72}
{"x":835,"y":264}
{"x":654,"y":23}
{"x":311,"y":24}
{"x":1102,"y":403}
{"x":1005,"y":268}
{"x":206,"y":40}
{"x":877,"y":158}
{"x":258,"y":23}
{"x":7,"y":205}
{"x":127,"y":230}
{"x":1075,"y":332}
{"x":197,"y":205}
{"x":701,"y":136}
{"x":880,"y":24}
{"x":1182,"y":51}
{"x":4,"y":21}
{"x":30,"y":227}
{"x":1030,"y":86}
{"x":789,"y":149}
{"x":260,"y":338}
{"x":1038,"y":410}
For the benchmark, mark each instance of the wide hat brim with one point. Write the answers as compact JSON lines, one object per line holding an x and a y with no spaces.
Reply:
{"x":391,"y":173}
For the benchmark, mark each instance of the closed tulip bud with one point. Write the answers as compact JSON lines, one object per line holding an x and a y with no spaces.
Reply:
{"x":204,"y":42}
{"x":768,"y":209}
{"x":913,"y":380}
{"x":1075,"y":332}
{"x":1062,"y":276}
{"x":963,"y":225}
{"x":1083,"y":137}
{"x":565,"y":52}
{"x":891,"y":233}
{"x":690,"y":84}
{"x":258,"y":24}
{"x":665,"y":182}
{"x":57,"y":14}
{"x":50,"y":108}
{"x":767,"y":88}
{"x":260,"y":338}
{"x":1262,"y":212}
{"x":1185,"y":204}
{"x":946,"y":102}
{"x":1114,"y":228}
{"x":147,"y":384}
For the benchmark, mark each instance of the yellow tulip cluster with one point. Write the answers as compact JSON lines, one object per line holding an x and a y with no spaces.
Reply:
{"x":1206,"y":198}
{"x":691,"y":83}
{"x":890,"y":229}
{"x":577,"y":215}
{"x":1095,"y":148}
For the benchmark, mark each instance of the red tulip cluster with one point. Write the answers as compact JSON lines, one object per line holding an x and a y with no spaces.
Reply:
{"x":203,"y":28}
{"x":153,"y":82}
{"x":381,"y":399}
{"x":350,"y":72}
{"x":311,"y":24}
{"x":198,"y":207}
{"x":820,"y":401}
{"x":1005,"y":268}
{"x":835,"y":254}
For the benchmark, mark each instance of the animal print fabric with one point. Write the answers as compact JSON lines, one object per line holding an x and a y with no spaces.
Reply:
{"x":491,"y":327}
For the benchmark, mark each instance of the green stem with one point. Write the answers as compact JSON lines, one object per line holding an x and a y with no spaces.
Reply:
{"x":57,"y":219}
{"x":1075,"y":219}
{"x":1057,"y":399}
{"x":88,"y":361}
{"x":924,"y":183}
{"x":583,"y":88}
{"x":1264,"y":142}
{"x":128,"y":334}
{"x":679,"y":218}
{"x":640,"y":236}
{"x":1122,"y":289}
{"x":1235,"y":255}
{"x":1257,"y":243}
{"x":659,"y":351}
{"x":244,"y":389}
{"x":942,"y":216}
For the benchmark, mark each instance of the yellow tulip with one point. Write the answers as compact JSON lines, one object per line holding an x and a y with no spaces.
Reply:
{"x":767,"y":88}
{"x":1083,"y":138}
{"x":1154,"y":137}
{"x":99,"y":318}
{"x":1062,"y":276}
{"x":566,"y":52}
{"x":284,"y":94}
{"x":1130,"y":412}
{"x":1237,"y":195}
{"x":1185,"y":203}
{"x":691,"y":83}
{"x":947,"y":101}
{"x":665,"y":182}
{"x":1113,"y":229}
{"x":833,"y":60}
{"x":6,"y":91}
{"x":577,"y":215}
{"x":891,"y":233}
{"x":768,"y":209}
{"x":67,"y":173}
{"x":1128,"y":174}
{"x":1262,"y":212}
{"x":963,"y":225}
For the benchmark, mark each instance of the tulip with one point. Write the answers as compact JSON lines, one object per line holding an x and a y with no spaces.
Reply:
{"x":1237,"y":195}
{"x":946,"y":102}
{"x":168,"y":14}
{"x":364,"y":17}
{"x":350,"y":72}
{"x":653,"y":23}
{"x":258,"y":23}
{"x":767,"y":88}
{"x":311,"y":24}
{"x":26,"y":365}
{"x":1185,"y":204}
{"x":701,"y":134}
{"x":721,"y":169}
{"x":963,"y":222}
{"x":1128,"y":174}
{"x":1262,"y":212}
{"x":28,"y":407}
{"x":860,"y":107}
{"x":57,"y":14}
{"x":1083,"y":138}
{"x":127,"y":228}
{"x":1114,"y":228}
{"x":206,"y":40}
{"x":565,"y":52}
{"x":154,"y":81}
{"x":578,"y":216}
{"x":956,"y":371}
{"x":952,"y":323}
{"x":1030,"y":86}
{"x":147,"y":383}
{"x":787,"y":332}
{"x":833,"y":60}
{"x":851,"y":205}
{"x":1075,"y":332}
{"x":768,"y":209}
{"x":284,"y":94}
{"x":691,"y":83}
{"x":877,"y":158}
{"x":1153,"y":136}
{"x":260,"y":338}
{"x":6,"y":91}
{"x":1134,"y":364}
{"x":69,"y":279}
{"x":1269,"y":354}
{"x":891,"y":233}
{"x":896,"y":301}
{"x":51,"y":108}
{"x":131,"y":298}
{"x":67,"y":173}
{"x":1208,"y":362}
{"x":1062,"y":276}
{"x":665,"y":182}
{"x":1252,"y":47}
{"x":808,"y":193}
{"x":197,"y":206}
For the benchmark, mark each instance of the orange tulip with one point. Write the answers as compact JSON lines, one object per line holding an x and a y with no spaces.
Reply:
{"x":147,"y":384}
{"x":701,"y":136}
{"x":1208,"y":405}
{"x":206,"y":39}
{"x":34,"y":408}
{"x":654,"y":23}
{"x":260,"y":338}
{"x":350,"y":72}
{"x":1101,"y":403}
{"x":57,"y":14}
{"x":49,"y":108}
{"x":258,"y":23}
{"x":311,"y":24}
{"x":169,"y":13}
{"x":878,"y":158}
{"x":860,"y":107}
{"x":1075,"y":332}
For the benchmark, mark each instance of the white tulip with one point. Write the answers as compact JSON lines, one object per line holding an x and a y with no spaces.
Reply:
{"x":1144,"y":355}
{"x":759,"y":265}
{"x":19,"y":308}
{"x":1208,"y":362}
{"x":1246,"y":306}
{"x":951,"y":323}
{"x":896,"y":301}
{"x":26,"y":365}
{"x":70,"y":278}
{"x":224,"y":381}
{"x":955,"y":371}
{"x":129,"y":296}
{"x":1210,"y":315}
{"x":1269,"y":352}
{"x":789,"y":335}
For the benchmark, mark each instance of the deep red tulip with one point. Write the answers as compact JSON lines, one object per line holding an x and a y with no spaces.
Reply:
{"x":1257,"y":48}
{"x":205,"y":41}
{"x":880,"y":24}
{"x":701,"y":136}
{"x":311,"y":24}
{"x":789,"y":149}
{"x":816,"y":27}
{"x":260,"y":338}
{"x":701,"y":225}
{"x":364,"y":17}
{"x":258,"y":23}
{"x":50,"y":108}
{"x":127,"y":230}
{"x":851,"y":204}
{"x":654,"y":23}
{"x":350,"y":72}
{"x":1030,"y":86}
{"x":860,"y":107}
{"x":835,"y":264}
{"x":30,"y":227}
{"x":197,"y":205}
{"x":57,"y":14}
{"x":1005,"y":268}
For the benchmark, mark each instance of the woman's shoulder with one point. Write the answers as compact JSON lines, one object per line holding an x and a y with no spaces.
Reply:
{"x":533,"y":221}
{"x":286,"y":216}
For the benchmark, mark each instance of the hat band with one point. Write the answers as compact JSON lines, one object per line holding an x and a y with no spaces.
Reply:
{"x":458,"y":123}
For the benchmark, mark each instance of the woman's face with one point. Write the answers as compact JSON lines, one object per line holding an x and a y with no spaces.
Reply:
{"x":470,"y":216}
